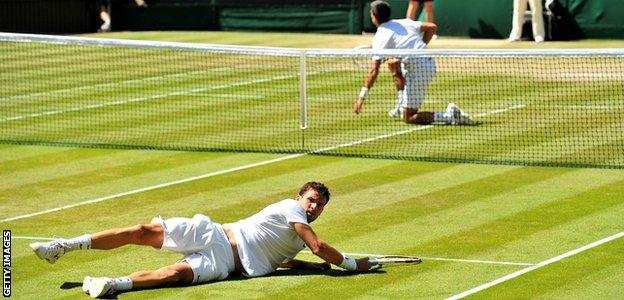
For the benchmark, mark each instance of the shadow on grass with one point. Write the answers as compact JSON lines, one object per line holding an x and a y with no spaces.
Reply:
{"x":236,"y":277}
{"x":331,"y":273}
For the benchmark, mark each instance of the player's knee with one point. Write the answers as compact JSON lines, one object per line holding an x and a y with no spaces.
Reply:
{"x":141,"y":233}
{"x":175,"y":274}
{"x":169,"y":274}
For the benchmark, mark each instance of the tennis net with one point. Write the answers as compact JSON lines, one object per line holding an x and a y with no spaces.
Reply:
{"x":549,"y":107}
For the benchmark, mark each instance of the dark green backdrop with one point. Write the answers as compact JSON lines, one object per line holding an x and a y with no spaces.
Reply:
{"x":473,"y":18}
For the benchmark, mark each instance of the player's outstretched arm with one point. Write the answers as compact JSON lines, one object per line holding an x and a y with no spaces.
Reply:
{"x":368,"y":84}
{"x":327,"y":252}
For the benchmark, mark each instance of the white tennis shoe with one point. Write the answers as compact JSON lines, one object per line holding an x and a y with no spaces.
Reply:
{"x":458,"y":116}
{"x":396,"y":112}
{"x":50,"y":251}
{"x":98,"y":286}
{"x":86,"y":282}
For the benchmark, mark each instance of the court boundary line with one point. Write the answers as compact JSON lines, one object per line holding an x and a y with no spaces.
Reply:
{"x":142,"y":99}
{"x":239,"y":168}
{"x":35,"y":238}
{"x":474,"y":261}
{"x":154,"y":187}
{"x":536,"y":266}
{"x":112,"y":84}
{"x":157,"y":96}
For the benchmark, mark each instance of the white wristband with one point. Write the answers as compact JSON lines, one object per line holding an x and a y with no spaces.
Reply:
{"x":363,"y":92}
{"x":348,"y":263}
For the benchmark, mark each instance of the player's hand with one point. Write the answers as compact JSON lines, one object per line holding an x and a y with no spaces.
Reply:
{"x":358,"y":105}
{"x":363,"y":264}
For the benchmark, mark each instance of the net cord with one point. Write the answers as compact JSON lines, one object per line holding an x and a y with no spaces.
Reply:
{"x":280,"y":51}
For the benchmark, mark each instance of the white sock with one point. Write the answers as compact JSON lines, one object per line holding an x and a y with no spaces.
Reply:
{"x":122,"y":283}
{"x":82,"y":242}
{"x":441,"y":117}
{"x":400,"y":95}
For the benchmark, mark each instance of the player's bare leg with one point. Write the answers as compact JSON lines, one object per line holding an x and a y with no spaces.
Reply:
{"x":394,"y":65}
{"x":412,"y":8}
{"x":412,"y":116}
{"x":428,"y":8}
{"x":179,"y":273}
{"x":142,"y":234}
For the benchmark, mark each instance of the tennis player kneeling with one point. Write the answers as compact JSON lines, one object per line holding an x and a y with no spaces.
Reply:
{"x":255,"y":246}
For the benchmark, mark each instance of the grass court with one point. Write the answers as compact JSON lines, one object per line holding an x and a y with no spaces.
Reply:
{"x":542,"y":232}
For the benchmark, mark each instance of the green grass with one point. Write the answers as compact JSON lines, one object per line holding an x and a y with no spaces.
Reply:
{"x":501,"y":213}
{"x":563,"y":111}
{"x":483,"y":212}
{"x":311,"y":40}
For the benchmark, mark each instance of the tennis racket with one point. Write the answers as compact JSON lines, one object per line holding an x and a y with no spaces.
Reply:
{"x":394,"y":260}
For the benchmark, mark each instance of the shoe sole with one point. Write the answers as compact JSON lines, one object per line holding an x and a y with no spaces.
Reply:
{"x":98,"y":288}
{"x":35,"y":247}
{"x":85,"y":284}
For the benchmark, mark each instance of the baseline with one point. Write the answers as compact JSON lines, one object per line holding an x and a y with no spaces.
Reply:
{"x":248,"y":166}
{"x":535,"y":267}
{"x":473,"y":261}
{"x":36,"y":238}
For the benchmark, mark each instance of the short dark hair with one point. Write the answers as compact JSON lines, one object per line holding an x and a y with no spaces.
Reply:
{"x":381,"y":10}
{"x":318,"y":187}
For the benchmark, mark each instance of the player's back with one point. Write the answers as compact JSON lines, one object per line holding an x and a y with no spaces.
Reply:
{"x":401,"y":34}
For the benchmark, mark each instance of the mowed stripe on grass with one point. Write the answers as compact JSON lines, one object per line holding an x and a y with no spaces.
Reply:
{"x":122,"y":171}
{"x":462,"y":211}
{"x":478,"y":234}
{"x":376,"y":207}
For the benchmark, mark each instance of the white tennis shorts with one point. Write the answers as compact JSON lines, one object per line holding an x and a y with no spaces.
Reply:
{"x":203,"y":243}
{"x":418,"y":73}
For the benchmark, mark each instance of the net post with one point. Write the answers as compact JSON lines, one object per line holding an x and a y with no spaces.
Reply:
{"x":303,"y":96}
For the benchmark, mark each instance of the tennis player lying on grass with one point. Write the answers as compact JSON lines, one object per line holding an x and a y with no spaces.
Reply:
{"x":254,"y":246}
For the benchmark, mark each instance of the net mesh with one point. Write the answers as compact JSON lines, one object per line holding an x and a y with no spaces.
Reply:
{"x":558,"y":108}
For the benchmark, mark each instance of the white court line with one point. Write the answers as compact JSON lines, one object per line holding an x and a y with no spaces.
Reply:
{"x":140,"y":99}
{"x":581,"y":107}
{"x":153,"y":187}
{"x":536,"y":266}
{"x":34,"y":238}
{"x":615,"y":75}
{"x":476,"y":261}
{"x":266,"y":162}
{"x":473,"y":261}
{"x":502,"y":110}
{"x":109,"y":84}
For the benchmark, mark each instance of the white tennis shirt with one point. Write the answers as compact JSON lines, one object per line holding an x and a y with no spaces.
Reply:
{"x":268,"y":238}
{"x":398,"y":34}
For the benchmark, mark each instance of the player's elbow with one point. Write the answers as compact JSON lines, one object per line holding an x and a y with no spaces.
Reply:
{"x":429,"y":27}
{"x":434,"y":28}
